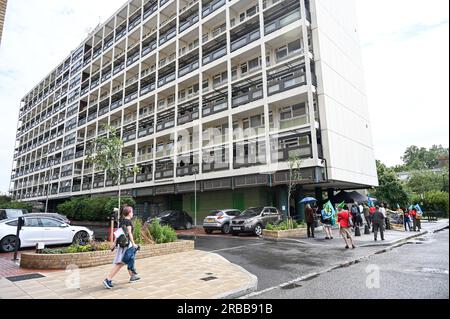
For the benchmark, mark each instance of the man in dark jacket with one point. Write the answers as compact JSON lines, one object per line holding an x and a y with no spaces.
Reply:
{"x":378,"y":223}
{"x":310,"y":220}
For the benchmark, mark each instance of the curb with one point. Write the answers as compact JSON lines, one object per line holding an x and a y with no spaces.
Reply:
{"x":284,"y":240}
{"x":395,"y":244}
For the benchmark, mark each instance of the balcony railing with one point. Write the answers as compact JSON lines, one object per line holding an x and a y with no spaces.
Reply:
{"x":279,"y":85}
{"x":148,"y":177}
{"x":244,"y":40}
{"x":215,"y":166}
{"x":193,"y":19}
{"x":284,"y":154}
{"x":210,"y":57}
{"x":214,"y":107}
{"x":187,"y":117}
{"x":211,"y":7}
{"x":167,"y":36}
{"x":187,"y":170}
{"x":145,"y":131}
{"x":163,"y":174}
{"x":166,"y":79}
{"x":164,"y":153}
{"x":253,"y":95}
{"x":282,"y":22}
{"x":131,"y":97}
{"x":148,"y":88}
{"x":148,"y":10}
{"x":188,"y":68}
{"x":146,"y":49}
{"x":133,"y":58}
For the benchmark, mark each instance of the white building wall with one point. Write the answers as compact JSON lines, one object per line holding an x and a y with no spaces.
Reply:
{"x":344,"y":115}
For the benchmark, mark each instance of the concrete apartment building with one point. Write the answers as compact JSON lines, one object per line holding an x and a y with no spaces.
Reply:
{"x":2,"y":16}
{"x":212,"y":95}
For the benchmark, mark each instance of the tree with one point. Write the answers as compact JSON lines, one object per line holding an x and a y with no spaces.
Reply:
{"x":108,"y":158}
{"x":421,"y":182}
{"x":416,"y":158}
{"x":295,"y":176}
{"x":391,"y":189}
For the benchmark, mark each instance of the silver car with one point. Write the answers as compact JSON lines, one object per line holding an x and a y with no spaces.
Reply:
{"x":220,"y":219}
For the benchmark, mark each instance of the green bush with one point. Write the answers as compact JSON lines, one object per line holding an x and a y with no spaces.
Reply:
{"x":74,"y":249}
{"x":137,"y":232}
{"x":91,"y":209}
{"x":162,"y":234}
{"x":433,"y":201}
{"x":283,"y":226}
{"x":17,"y":205}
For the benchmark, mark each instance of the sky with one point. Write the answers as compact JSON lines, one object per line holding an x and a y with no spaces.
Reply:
{"x":405,"y":47}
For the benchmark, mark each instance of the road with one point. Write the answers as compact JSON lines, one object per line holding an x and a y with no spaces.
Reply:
{"x":416,"y":270}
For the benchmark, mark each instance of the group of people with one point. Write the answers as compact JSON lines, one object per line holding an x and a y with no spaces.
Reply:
{"x":351,"y":217}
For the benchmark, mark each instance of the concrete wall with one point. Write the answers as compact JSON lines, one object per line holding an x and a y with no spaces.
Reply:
{"x":344,"y":114}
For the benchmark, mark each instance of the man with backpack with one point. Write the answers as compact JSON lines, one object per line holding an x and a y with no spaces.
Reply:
{"x":125,"y":247}
{"x":345,"y":222}
{"x":378,"y":223}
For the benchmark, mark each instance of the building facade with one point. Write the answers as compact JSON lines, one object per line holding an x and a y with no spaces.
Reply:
{"x":209,"y":97}
{"x":2,"y":16}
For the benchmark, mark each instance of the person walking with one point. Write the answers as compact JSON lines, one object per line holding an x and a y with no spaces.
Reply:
{"x":327,"y":222}
{"x":378,"y":223}
{"x":127,"y":228}
{"x":407,"y":220}
{"x":416,"y":219}
{"x":345,"y":224}
{"x":356,"y":214}
{"x":310,"y":217}
{"x":382,"y":210}
{"x":366,"y":213}
{"x":413,"y":214}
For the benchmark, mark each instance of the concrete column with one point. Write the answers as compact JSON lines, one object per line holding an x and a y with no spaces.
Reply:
{"x":299,"y":208}
{"x":319,"y":194}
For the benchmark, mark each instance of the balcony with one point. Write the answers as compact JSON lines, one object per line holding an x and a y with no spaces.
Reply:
{"x":211,"y":7}
{"x":76,"y":188}
{"x":187,"y":114}
{"x":187,"y":170}
{"x":166,"y":79}
{"x":164,"y":151}
{"x":150,"y":8}
{"x":147,"y":87}
{"x":249,"y":95}
{"x":87,"y":186}
{"x":148,"y":47}
{"x":133,"y":57}
{"x":188,"y":68}
{"x":286,"y":82}
{"x":277,"y":23}
{"x":121,"y":31}
{"x":164,"y":174}
{"x":119,"y":67}
{"x":95,"y":83}
{"x":134,"y":22}
{"x":214,"y":106}
{"x":129,"y":135}
{"x":146,"y":130}
{"x":133,"y":95}
{"x":247,"y":154}
{"x":210,"y":57}
{"x":108,"y":42}
{"x":245,"y":39}
{"x":165,"y":121}
{"x":218,"y":162}
{"x":147,"y":177}
{"x":287,"y":152}
{"x":190,"y":21}
{"x":167,"y":36}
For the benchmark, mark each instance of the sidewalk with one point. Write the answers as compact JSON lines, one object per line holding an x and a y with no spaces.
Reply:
{"x":189,"y":275}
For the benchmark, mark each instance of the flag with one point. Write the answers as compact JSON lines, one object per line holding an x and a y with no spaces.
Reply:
{"x":328,"y":212}
{"x":418,"y":209}
{"x":341,"y":205}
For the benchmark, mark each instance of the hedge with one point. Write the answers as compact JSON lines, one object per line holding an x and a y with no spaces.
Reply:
{"x":92,"y":209}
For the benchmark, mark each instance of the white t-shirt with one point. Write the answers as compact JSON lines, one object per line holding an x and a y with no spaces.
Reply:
{"x":383,"y":211}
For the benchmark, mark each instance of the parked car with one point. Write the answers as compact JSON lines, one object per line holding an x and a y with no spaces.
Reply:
{"x":47,"y":230}
{"x":60,"y":217}
{"x":254,"y":220}
{"x":220,"y":220}
{"x":174,"y":218}
{"x":11,"y":213}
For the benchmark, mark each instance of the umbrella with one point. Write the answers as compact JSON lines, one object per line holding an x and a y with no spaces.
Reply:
{"x":308,"y":200}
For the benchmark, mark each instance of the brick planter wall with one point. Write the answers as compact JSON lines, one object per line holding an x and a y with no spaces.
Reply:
{"x":292,"y":233}
{"x":97,"y":258}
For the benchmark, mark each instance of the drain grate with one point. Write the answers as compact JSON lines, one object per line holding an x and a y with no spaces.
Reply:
{"x":209,"y":278}
{"x":24,"y":277}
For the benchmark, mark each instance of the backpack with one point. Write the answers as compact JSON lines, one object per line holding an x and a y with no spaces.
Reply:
{"x":123,"y":241}
{"x":355,"y":211}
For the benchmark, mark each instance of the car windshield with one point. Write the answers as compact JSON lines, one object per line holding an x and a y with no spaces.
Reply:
{"x":233,"y":213}
{"x":252,"y":212}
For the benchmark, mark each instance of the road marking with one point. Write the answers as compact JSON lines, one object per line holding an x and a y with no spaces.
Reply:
{"x":237,"y":247}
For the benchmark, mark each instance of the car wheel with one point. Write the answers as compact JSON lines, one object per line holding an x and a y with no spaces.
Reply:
{"x":81,"y":238}
{"x":226,"y":229}
{"x":208,"y":231}
{"x":188,"y":226}
{"x":258,"y":230}
{"x":8,"y":244}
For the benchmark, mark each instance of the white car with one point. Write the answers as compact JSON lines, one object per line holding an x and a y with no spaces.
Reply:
{"x":47,"y":230}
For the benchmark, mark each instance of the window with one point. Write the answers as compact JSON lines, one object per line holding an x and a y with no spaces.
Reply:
{"x":286,"y":113}
{"x":282,"y":52}
{"x":205,"y":84}
{"x":244,"y":68}
{"x":46,"y":222}
{"x":217,"y":80}
{"x":245,"y":124}
{"x":253,"y":64}
{"x":242,"y":17}
{"x":257,"y":121}
{"x":32,"y":222}
{"x":298,"y":110}
{"x":294,"y":46}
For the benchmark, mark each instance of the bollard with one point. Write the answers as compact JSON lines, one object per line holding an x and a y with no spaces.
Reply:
{"x":357,"y":232}
{"x":366,"y":230}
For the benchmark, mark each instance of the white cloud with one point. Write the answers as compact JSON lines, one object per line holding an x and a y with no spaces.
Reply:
{"x":405,"y":52}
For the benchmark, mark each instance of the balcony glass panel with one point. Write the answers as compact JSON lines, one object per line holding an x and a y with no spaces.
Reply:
{"x":282,"y":22}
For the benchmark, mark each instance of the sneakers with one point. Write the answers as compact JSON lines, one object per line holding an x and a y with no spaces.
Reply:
{"x":134,"y":278}
{"x":134,"y":272}
{"x":108,"y":284}
{"x":346,"y":247}
{"x":353,"y":247}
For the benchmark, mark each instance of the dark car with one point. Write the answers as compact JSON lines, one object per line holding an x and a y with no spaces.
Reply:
{"x":254,"y":220}
{"x":60,"y":217}
{"x":177,"y":219}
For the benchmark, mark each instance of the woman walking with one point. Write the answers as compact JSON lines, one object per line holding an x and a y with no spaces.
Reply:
{"x":127,"y":226}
